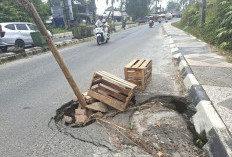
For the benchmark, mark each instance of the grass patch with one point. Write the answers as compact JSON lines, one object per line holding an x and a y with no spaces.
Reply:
{"x":217,"y":28}
{"x":195,"y":32}
{"x":59,"y":30}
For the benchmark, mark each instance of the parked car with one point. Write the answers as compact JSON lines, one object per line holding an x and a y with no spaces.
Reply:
{"x":16,"y":34}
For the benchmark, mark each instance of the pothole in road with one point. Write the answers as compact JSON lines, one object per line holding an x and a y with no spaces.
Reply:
{"x":160,"y":126}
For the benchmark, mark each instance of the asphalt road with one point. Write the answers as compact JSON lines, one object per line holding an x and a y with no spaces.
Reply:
{"x":32,"y":89}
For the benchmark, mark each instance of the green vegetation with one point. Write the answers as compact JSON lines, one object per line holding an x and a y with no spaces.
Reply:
{"x":11,"y":12}
{"x":82,"y":31}
{"x":218,"y":27}
{"x":200,"y":143}
{"x":59,"y":30}
{"x":173,"y":5}
{"x":138,"y":8}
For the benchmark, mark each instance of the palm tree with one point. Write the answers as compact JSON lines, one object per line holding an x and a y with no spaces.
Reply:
{"x":156,"y":3}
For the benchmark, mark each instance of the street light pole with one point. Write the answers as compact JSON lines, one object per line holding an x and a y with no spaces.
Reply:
{"x":122,"y":18}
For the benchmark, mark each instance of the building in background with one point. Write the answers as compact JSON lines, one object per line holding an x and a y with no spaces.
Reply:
{"x":117,"y":15}
{"x":68,"y":13}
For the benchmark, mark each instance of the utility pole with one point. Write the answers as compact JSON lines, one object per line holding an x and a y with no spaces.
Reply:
{"x":112,"y":5}
{"x":203,"y":13}
{"x":121,"y":8}
{"x":66,"y":13}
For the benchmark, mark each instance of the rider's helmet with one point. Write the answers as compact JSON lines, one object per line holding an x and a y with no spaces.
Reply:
{"x":104,"y":21}
{"x":100,"y":17}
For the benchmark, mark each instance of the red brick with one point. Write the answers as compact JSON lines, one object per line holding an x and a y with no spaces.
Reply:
{"x":80,"y":119}
{"x":80,"y":111}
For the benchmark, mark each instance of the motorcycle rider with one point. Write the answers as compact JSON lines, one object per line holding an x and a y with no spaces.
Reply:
{"x":101,"y":22}
{"x":124,"y":24}
{"x":151,"y":21}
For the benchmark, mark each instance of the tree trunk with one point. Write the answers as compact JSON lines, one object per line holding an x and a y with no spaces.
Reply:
{"x":203,"y":13}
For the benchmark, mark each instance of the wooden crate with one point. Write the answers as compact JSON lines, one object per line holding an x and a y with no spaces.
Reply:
{"x":111,"y":90}
{"x":139,"y":72}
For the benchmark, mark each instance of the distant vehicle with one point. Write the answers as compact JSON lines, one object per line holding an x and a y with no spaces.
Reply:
{"x":151,"y":23}
{"x":168,"y":16}
{"x":176,"y":13}
{"x":16,"y":34}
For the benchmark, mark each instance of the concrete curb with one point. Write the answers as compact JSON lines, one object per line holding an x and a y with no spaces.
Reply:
{"x":206,"y":120}
{"x":40,"y":50}
{"x":62,"y":35}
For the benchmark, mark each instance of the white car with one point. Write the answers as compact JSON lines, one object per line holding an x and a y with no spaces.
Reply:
{"x":16,"y":34}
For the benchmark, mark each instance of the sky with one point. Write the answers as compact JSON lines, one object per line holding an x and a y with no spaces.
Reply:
{"x":101,"y":5}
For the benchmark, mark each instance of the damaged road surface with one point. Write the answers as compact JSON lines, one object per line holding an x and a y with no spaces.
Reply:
{"x":160,"y":127}
{"x":33,"y":89}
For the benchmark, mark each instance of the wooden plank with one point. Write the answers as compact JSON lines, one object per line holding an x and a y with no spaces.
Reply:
{"x":131,"y":63}
{"x":147,"y":78}
{"x":94,"y":76}
{"x":137,"y":82}
{"x":120,"y":83}
{"x":145,"y":64}
{"x":96,"y":82}
{"x":118,"y":79}
{"x":112,"y":93}
{"x":148,"y":72}
{"x":108,"y":75}
{"x":125,"y":73}
{"x":107,"y":100}
{"x":111,"y":85}
{"x":128,"y":99}
{"x":136,"y":75}
{"x":138,"y":64}
{"x":149,"y":66}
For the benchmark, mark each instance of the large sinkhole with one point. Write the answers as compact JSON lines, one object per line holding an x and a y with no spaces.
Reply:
{"x":161,"y":123}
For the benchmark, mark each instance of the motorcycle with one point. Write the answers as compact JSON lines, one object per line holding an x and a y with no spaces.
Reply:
{"x":151,"y":23}
{"x":124,"y":25}
{"x":102,"y":35}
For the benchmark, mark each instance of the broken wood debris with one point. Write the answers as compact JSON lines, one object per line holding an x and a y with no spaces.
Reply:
{"x":80,"y":115}
{"x":111,"y":90}
{"x":88,"y":99}
{"x":98,"y":106}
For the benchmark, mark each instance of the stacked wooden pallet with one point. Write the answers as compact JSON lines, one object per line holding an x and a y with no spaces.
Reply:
{"x":139,"y":72}
{"x":111,"y":90}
